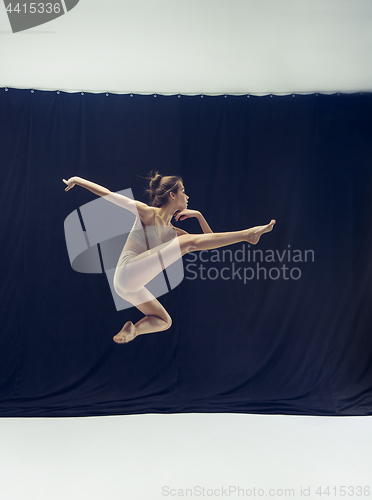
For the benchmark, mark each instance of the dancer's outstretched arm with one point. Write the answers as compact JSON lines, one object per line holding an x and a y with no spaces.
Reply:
{"x":136,"y":207}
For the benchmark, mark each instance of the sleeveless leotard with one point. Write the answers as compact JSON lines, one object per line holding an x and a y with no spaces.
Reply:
{"x":140,"y":239}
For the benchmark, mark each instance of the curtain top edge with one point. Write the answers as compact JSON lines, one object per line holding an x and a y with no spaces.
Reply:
{"x":107,"y":92}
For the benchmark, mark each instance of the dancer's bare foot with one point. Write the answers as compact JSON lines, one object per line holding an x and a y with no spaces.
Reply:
{"x":254,"y":233}
{"x":126,"y":334}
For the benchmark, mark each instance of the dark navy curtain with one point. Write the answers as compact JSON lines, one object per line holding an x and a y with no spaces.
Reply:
{"x":281,"y":327}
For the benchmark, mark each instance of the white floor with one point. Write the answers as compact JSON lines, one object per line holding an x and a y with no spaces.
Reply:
{"x":152,"y":457}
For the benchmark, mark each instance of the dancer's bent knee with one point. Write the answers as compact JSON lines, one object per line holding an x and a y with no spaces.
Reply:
{"x":168,"y":324}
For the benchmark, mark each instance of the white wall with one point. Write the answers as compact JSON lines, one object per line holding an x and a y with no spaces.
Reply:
{"x":190,"y":46}
{"x":195,"y":46}
{"x":154,"y":457}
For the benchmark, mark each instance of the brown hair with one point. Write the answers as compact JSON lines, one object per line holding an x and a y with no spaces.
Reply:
{"x":160,"y":187}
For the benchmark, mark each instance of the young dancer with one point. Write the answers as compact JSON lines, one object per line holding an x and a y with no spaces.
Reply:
{"x":153,"y":236}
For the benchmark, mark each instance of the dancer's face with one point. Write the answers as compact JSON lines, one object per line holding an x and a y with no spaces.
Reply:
{"x":181,"y":198}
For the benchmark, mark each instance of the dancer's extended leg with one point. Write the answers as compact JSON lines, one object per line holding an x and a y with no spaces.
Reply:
{"x":146,"y":267}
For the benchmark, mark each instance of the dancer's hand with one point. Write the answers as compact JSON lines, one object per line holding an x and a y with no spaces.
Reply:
{"x":70,"y":183}
{"x":185,"y":214}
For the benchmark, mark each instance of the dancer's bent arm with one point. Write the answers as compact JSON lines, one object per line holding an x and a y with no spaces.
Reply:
{"x":186,"y":214}
{"x":136,"y":207}
{"x":204,"y":224}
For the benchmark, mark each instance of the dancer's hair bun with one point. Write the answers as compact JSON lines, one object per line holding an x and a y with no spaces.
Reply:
{"x":155,"y":181}
{"x":160,"y":186}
